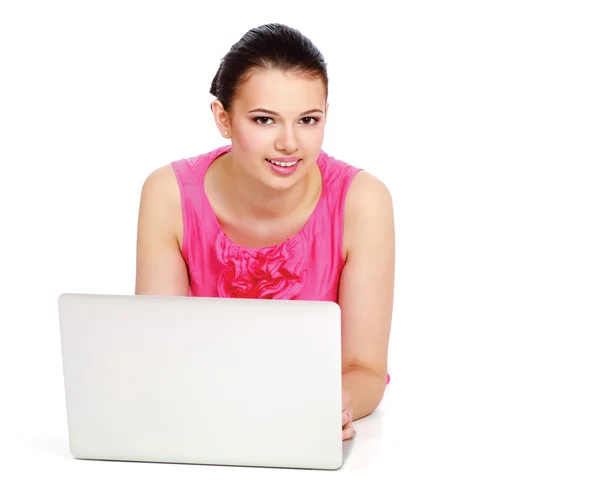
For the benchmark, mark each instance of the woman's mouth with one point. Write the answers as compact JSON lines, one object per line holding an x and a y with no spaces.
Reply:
{"x":283,"y":168}
{"x":282,"y":164}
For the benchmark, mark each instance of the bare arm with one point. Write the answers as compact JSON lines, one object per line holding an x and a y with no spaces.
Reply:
{"x":366,"y":292}
{"x":160,"y":268}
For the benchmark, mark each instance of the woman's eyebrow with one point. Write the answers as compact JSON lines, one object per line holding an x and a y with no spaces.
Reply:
{"x":277,"y":114}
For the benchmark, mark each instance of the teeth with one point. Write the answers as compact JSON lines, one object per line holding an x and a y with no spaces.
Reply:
{"x":285,"y":165}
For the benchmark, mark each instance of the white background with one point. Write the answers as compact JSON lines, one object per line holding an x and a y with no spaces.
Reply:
{"x":483,"y":118}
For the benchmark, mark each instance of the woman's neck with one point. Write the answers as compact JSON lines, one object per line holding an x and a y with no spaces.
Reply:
{"x":252,"y":200}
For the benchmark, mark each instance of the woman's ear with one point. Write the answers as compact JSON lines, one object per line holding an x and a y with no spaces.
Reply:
{"x":221,"y":118}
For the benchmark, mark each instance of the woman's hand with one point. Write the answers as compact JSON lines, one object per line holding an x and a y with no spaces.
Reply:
{"x":348,"y":430}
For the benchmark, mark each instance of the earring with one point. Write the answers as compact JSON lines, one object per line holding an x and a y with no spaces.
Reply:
{"x":226,"y":132}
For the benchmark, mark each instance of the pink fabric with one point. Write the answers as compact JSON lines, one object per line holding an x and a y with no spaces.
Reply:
{"x":307,"y":266}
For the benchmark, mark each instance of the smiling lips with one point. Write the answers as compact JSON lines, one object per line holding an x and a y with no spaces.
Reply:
{"x":283,"y":166}
{"x":285,"y":162}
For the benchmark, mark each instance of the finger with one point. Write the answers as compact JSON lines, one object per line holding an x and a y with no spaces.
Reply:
{"x":345,"y":417}
{"x":348,"y":431}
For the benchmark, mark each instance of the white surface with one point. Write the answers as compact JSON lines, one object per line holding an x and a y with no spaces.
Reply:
{"x":161,"y":379}
{"x":482,"y":118}
{"x":375,"y":451}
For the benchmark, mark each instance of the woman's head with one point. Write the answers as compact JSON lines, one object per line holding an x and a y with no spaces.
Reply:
{"x":271,"y":94}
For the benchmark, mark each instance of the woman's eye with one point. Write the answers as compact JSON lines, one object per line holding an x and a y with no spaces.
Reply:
{"x":309,"y":118}
{"x":257,"y":119}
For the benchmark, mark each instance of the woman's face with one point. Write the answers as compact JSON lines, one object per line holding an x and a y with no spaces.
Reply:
{"x":278,"y":115}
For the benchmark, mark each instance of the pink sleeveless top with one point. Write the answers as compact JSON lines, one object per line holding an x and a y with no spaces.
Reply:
{"x":306,"y":266}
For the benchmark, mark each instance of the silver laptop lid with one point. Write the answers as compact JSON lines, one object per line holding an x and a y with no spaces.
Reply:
{"x":201,"y":380}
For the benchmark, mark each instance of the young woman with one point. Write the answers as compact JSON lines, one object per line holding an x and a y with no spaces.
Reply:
{"x":272,"y":215}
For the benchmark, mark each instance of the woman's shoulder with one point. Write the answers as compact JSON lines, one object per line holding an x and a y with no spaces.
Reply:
{"x":160,"y":188}
{"x":366,"y":183}
{"x":367,"y":195}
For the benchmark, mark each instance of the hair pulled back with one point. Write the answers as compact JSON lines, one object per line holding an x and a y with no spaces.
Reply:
{"x":271,"y":46}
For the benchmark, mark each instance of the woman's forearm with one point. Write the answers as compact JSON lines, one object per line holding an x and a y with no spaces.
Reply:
{"x":366,"y":388}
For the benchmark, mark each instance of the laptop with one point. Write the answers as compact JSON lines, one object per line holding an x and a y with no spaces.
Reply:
{"x":218,"y":381}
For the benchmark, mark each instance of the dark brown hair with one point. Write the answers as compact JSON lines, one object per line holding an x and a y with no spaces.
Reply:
{"x":272,"y":46}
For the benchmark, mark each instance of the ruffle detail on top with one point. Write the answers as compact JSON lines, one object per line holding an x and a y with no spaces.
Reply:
{"x":275,"y":272}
